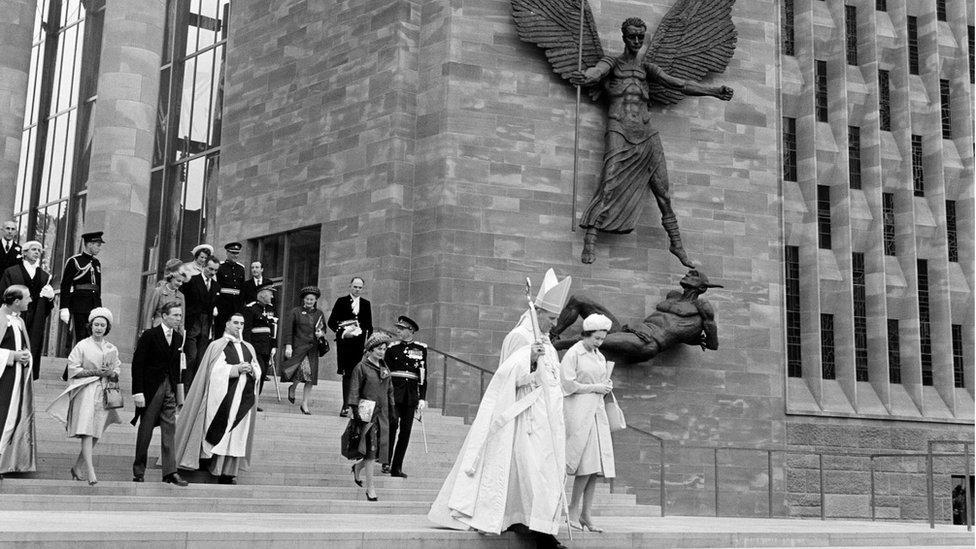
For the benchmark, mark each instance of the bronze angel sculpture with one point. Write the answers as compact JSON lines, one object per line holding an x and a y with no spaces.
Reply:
{"x":696,"y":37}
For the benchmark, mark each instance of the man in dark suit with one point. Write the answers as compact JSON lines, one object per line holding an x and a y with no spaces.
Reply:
{"x":81,"y":285}
{"x":29,"y":273}
{"x":9,"y":249}
{"x":230,"y":278}
{"x":200,"y":293}
{"x":352,"y":321}
{"x":255,"y":283}
{"x":157,"y":393}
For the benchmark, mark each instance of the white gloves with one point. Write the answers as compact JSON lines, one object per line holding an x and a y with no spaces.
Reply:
{"x":65,"y":316}
{"x":139,"y":400}
{"x":47,"y":292}
{"x":422,"y":405}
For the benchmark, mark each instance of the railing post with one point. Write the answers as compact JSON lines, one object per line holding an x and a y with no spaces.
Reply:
{"x":664,"y":499}
{"x":872,"y":489}
{"x":966,"y":488}
{"x":823,"y":499}
{"x":715,"y":457}
{"x":929,"y":488}
{"x":769,"y":481}
{"x":444,"y":386}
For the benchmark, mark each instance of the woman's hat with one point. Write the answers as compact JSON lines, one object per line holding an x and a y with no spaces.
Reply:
{"x":596,"y":322}
{"x":101,"y":312}
{"x":310,"y":290}
{"x":202,"y":247}
{"x":377,"y":339}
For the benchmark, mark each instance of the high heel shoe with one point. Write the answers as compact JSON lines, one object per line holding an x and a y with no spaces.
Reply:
{"x":74,"y":475}
{"x":291,"y":394}
{"x":586,"y":526}
{"x":305,"y":410}
{"x":355,"y":477}
{"x":92,"y":482}
{"x":373,"y":498}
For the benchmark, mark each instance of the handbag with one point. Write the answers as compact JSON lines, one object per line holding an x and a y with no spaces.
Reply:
{"x":322,"y":345}
{"x":112,"y":396}
{"x":615,"y":416}
{"x":366,"y":407}
{"x":350,"y":440}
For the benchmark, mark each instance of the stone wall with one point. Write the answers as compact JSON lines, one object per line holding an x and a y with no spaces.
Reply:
{"x":900,"y":483}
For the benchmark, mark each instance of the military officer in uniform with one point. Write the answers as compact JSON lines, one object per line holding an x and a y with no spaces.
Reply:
{"x":261,"y":331}
{"x":407,"y":361}
{"x":230,"y":278}
{"x":81,"y":285}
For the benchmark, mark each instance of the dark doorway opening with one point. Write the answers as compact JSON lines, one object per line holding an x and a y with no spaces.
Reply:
{"x":961,"y":497}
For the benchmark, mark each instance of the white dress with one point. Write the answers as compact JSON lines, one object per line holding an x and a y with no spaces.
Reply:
{"x":80,"y":407}
{"x":589,"y":448}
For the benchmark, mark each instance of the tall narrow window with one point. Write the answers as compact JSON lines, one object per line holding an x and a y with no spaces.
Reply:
{"x":827,"y":366}
{"x":894,"y":352}
{"x":794,"y":362}
{"x":958,"y":366}
{"x":854,"y":156}
{"x":789,"y":33}
{"x":860,"y":317}
{"x":918,"y":172}
{"x":186,"y":153}
{"x":823,"y":216}
{"x":912,"y":44}
{"x":972,"y":55}
{"x":821,"y":95}
{"x":850,"y":20}
{"x":924,"y":326}
{"x":888,"y":212}
{"x":946,"y":109}
{"x":940,"y":10}
{"x":953,"y":244}
{"x":789,"y":149}
{"x":884,"y":100}
{"x":881,"y":5}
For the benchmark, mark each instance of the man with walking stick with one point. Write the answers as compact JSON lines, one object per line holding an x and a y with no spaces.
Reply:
{"x":511,"y":472}
{"x":261,"y":331}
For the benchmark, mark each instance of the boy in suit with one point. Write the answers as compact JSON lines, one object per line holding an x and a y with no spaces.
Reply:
{"x":157,"y":392}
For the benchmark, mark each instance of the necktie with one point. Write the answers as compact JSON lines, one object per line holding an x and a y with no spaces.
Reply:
{"x":169,"y":336}
{"x":355,"y":306}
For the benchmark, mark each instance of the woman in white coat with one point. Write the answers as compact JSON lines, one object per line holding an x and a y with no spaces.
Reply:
{"x":589,"y":449}
{"x":92,"y":364}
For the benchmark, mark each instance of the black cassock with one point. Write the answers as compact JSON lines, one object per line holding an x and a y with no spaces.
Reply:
{"x":35,"y":318}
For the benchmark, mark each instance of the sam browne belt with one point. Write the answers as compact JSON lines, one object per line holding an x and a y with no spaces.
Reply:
{"x":230,"y":291}
{"x":405,"y":375}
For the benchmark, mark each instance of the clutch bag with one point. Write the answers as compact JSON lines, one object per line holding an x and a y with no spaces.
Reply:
{"x":366,"y":407}
{"x":615,"y":416}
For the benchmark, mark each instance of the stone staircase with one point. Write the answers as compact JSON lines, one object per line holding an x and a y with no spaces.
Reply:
{"x":297,"y":492}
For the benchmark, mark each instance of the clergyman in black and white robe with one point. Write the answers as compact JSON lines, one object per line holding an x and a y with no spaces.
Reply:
{"x":17,"y":437}
{"x":218,"y":419}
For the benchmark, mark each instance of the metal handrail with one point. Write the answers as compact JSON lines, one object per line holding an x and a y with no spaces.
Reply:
{"x":470,"y":365}
{"x":820,"y":458}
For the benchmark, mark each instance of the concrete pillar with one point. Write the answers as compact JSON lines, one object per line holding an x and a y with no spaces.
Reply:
{"x":123,"y":127}
{"x":16,"y":28}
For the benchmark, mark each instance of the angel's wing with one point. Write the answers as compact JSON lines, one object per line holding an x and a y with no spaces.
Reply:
{"x":553,"y":25}
{"x":694,"y":38}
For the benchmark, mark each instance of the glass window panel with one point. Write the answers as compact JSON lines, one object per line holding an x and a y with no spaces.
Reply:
{"x":69,"y":47}
{"x":59,"y":148}
{"x":25,"y":170}
{"x":69,"y":155}
{"x":191,"y":28}
{"x":76,"y":67}
{"x":40,"y":14}
{"x":202,"y":97}
{"x":186,"y":107}
{"x":29,"y":116}
{"x":46,"y":167}
{"x":56,"y":80}
{"x":153,"y":219}
{"x":36,"y":86}
{"x":217,"y":96}
{"x":207,"y":23}
{"x":162,"y":121}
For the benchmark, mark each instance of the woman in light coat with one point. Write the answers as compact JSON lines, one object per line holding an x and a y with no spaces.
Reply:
{"x":589,"y":449}
{"x":92,"y":364}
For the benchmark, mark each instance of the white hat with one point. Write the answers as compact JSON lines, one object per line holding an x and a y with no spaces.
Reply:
{"x":596,"y":322}
{"x":201,"y":247}
{"x":101,"y":312}
{"x":553,"y":293}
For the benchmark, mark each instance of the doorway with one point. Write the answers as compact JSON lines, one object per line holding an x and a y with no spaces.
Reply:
{"x":960,"y":498}
{"x":291,"y":261}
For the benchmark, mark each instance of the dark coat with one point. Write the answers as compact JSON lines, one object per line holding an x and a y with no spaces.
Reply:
{"x":250,"y":290}
{"x":298,"y":330}
{"x":11,"y":258}
{"x":260,"y":316}
{"x":81,"y":285}
{"x":199,"y":301}
{"x":373,"y":382}
{"x":37,"y":312}
{"x":349,"y":351}
{"x":153,"y":361}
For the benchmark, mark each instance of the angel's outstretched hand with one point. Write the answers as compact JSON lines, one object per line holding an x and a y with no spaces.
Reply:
{"x":578,"y":78}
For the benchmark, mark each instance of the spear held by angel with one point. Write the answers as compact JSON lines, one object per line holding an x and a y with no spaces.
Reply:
{"x":696,"y":37}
